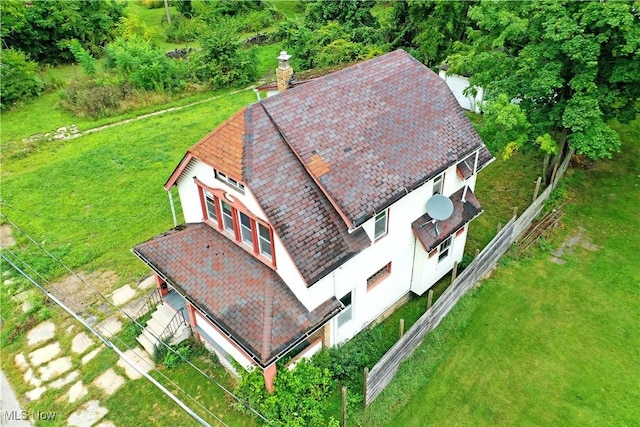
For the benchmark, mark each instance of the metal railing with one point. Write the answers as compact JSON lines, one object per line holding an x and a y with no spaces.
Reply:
{"x":153,"y":298}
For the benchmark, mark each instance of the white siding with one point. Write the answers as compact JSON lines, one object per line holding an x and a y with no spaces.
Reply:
{"x":222,"y":341}
{"x":458,"y":84}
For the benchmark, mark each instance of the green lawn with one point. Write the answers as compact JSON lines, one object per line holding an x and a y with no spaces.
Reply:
{"x":91,"y":199}
{"x":542,"y":343}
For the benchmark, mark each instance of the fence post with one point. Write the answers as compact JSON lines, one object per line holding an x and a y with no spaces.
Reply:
{"x":515,"y":212}
{"x":401,"y":329}
{"x":498,"y":227}
{"x":454,"y":272}
{"x":344,"y":407}
{"x":535,"y":193}
{"x":429,"y":299}
{"x":553,"y":174}
{"x":366,"y":380}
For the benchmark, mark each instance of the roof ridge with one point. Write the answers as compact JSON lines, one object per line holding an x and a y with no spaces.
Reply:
{"x":322,"y":188}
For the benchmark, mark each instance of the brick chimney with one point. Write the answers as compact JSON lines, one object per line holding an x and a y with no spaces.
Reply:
{"x":283,"y":72}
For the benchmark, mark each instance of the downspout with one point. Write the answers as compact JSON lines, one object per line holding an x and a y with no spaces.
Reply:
{"x":173,"y":208}
{"x":255,"y":89}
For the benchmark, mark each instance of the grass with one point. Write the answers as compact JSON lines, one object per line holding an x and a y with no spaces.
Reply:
{"x":91,"y":199}
{"x":542,"y":343}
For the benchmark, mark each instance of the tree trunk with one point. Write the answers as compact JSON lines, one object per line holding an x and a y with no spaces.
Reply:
{"x":563,"y":151}
{"x":166,"y":8}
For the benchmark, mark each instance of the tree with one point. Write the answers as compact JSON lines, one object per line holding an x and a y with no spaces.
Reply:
{"x":18,"y":77}
{"x":221,"y":61}
{"x":349,"y":13}
{"x":43,"y":29}
{"x":571,"y":66}
{"x":428,"y":29}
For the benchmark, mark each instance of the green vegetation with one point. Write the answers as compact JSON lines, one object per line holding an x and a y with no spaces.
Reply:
{"x":541,"y":342}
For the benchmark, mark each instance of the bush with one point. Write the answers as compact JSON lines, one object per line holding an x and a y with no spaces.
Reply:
{"x":173,"y":359}
{"x":221,"y":61}
{"x":18,"y":77}
{"x":94,"y":99}
{"x":143,"y":65}
{"x":299,"y":397}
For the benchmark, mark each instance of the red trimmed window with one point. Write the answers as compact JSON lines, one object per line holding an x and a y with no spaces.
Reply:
{"x":232,"y":218}
{"x":378,"y":276}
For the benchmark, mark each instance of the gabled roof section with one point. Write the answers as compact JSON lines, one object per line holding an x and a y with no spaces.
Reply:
{"x":222,"y":148}
{"x":242,"y":296}
{"x":373,"y":131}
{"x":307,"y":223}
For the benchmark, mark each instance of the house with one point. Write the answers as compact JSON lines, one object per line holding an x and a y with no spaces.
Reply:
{"x":306,"y":213}
{"x":469,"y":98}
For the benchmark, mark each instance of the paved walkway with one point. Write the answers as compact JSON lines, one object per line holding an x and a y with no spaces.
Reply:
{"x":11,"y":414}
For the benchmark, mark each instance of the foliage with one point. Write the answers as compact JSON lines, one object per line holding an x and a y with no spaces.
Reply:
{"x":557,"y":198}
{"x":181,"y":30}
{"x":221,"y":61}
{"x":212,"y":10}
{"x":44,"y":27}
{"x":18,"y":77}
{"x":348,"y":13}
{"x":143,"y":65}
{"x":329,"y":44}
{"x":83,"y":57}
{"x":179,"y":355}
{"x":132,"y":27}
{"x":93,"y":98}
{"x":504,"y":127}
{"x":572,"y":66}
{"x":346,"y":362}
{"x":428,"y":29}
{"x":299,"y":397}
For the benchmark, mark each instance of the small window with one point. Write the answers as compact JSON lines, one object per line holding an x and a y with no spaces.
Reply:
{"x":438,"y":182}
{"x":345,"y":315}
{"x":264,"y":239}
{"x":227,"y":217}
{"x":211,"y":206}
{"x":245,"y":228}
{"x":379,"y":276}
{"x":381,"y":225}
{"x":229,"y":181}
{"x":445,"y":248}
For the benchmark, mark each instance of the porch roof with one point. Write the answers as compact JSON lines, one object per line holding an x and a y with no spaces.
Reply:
{"x":463,"y":213}
{"x":238,"y":293}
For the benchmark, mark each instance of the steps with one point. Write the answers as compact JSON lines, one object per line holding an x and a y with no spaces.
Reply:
{"x":157,"y":324}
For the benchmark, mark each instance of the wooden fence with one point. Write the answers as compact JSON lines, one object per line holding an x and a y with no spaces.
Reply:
{"x":383,"y":372}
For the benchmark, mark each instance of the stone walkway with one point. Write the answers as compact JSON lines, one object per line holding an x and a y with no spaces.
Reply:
{"x":47,"y":364}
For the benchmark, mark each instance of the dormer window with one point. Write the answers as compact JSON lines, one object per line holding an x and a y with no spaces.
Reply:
{"x":264,"y":237}
{"x":229,"y":181}
{"x":227,"y":217}
{"x":245,"y":228}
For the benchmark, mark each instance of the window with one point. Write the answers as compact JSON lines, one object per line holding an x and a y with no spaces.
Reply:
{"x":444,"y":248}
{"x":438,"y":182}
{"x":227,"y":217}
{"x":245,"y":228}
{"x":345,"y":315}
{"x":264,"y":238}
{"x":211,"y":206}
{"x":380,"y":225}
{"x":378,"y":276}
{"x":229,"y":181}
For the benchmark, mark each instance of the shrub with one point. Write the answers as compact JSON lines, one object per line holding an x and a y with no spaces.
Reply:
{"x":173,"y":359}
{"x":144,"y":65}
{"x":18,"y":77}
{"x":94,"y":99}
{"x":299,"y":397}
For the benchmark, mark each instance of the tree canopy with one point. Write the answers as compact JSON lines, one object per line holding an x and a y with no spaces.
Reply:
{"x":44,"y":28}
{"x":570,"y":66}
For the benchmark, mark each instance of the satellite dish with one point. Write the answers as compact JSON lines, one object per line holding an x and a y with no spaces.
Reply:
{"x":439,"y":207}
